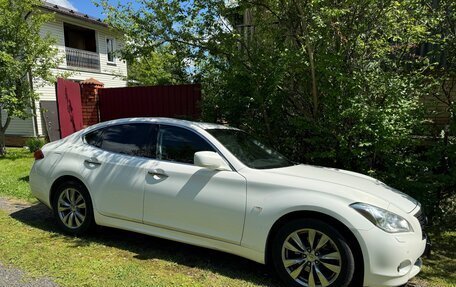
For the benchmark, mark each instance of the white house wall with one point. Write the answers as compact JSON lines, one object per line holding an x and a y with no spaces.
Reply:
{"x":56,"y":30}
{"x":111,"y":75}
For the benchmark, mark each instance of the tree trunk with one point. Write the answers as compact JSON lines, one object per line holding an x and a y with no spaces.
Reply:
{"x":314,"y":80}
{"x":308,"y":47}
{"x":2,"y":144}
{"x":2,"y":134}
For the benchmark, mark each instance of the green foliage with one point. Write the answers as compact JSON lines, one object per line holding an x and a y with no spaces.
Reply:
{"x":328,"y":83}
{"x":34,"y":144}
{"x":24,"y":55}
{"x":160,"y":67}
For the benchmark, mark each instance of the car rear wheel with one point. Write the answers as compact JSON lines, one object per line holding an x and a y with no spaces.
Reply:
{"x":311,"y":253}
{"x":72,"y":208}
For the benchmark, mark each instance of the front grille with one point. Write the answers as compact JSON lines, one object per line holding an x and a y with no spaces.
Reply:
{"x":422,"y":218}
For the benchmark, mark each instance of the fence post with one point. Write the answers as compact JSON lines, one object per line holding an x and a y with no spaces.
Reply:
{"x":89,"y":100}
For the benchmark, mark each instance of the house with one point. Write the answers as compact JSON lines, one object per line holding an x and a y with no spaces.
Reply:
{"x":86,"y":46}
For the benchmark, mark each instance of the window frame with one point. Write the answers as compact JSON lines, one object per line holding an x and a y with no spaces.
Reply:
{"x":158,"y":148}
{"x":159,"y":125}
{"x":68,"y":25}
{"x":102,"y":129}
{"x":113,"y":61}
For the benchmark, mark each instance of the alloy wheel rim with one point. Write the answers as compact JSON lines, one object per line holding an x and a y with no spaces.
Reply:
{"x":72,"y":208}
{"x":311,"y":258}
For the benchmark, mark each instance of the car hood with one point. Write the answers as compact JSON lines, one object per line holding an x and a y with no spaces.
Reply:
{"x":352,"y":180}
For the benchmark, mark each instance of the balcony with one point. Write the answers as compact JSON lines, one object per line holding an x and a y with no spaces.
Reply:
{"x":82,"y":60}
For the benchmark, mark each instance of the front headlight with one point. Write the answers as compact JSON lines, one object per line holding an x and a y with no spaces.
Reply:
{"x":384,"y":219}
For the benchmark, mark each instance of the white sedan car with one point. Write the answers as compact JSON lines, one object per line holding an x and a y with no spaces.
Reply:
{"x":218,"y":187}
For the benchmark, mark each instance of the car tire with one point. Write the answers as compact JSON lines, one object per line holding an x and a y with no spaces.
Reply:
{"x":310,"y":252}
{"x":72,"y":208}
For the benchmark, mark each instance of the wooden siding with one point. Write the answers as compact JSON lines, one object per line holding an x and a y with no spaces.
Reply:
{"x":110,"y":75}
{"x":18,"y":126}
{"x":56,"y":30}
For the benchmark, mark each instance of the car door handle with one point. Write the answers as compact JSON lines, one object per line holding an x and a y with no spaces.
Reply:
{"x":92,"y":160}
{"x":158,"y":172}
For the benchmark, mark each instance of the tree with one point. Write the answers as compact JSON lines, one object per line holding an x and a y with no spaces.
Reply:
{"x":160,"y":67}
{"x":438,"y":166}
{"x":335,"y":83}
{"x":25,"y":56}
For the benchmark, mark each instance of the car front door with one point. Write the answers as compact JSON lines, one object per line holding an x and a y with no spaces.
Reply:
{"x":191,"y":199}
{"x":114,"y":163}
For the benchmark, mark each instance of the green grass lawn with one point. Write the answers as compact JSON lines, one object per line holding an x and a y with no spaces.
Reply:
{"x":30,"y":241}
{"x":14,"y":172}
{"x":111,"y":257}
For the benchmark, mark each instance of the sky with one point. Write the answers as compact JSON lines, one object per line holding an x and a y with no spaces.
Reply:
{"x":86,"y":6}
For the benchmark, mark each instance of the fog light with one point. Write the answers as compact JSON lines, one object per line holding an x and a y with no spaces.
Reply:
{"x":404,"y":267}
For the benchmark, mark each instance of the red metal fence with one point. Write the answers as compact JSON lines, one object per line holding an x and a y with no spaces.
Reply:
{"x":180,"y":101}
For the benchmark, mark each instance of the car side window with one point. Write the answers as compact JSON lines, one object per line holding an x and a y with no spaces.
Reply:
{"x":179,"y":144}
{"x":94,"y":138}
{"x":136,"y":139}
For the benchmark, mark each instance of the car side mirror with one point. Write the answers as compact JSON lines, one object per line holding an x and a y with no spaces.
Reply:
{"x":210,"y":160}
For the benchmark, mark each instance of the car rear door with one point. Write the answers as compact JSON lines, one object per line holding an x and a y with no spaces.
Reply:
{"x":114,"y":163}
{"x":191,"y":199}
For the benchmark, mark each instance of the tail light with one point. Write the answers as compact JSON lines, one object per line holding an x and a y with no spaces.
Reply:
{"x":38,"y":154}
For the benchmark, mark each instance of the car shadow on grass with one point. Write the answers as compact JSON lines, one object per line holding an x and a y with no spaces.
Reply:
{"x":152,"y":248}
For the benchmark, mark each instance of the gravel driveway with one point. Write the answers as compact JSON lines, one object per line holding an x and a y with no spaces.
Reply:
{"x":10,"y":277}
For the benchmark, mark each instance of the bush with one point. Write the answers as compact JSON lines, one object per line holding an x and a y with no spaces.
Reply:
{"x":326,"y":83}
{"x":34,"y":144}
{"x":426,"y":171}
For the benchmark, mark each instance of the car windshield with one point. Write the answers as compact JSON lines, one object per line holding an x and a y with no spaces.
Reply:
{"x":249,"y":150}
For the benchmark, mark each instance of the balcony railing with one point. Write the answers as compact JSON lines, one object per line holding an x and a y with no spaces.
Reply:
{"x":82,"y":59}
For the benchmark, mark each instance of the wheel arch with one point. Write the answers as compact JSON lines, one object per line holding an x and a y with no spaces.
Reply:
{"x":341,"y":227}
{"x":59,"y":181}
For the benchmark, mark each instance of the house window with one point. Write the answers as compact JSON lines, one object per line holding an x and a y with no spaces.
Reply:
{"x":80,"y":38}
{"x":110,"y":49}
{"x":81,"y":48}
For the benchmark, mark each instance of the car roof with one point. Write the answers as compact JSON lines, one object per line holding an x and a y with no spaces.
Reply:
{"x":171,"y":121}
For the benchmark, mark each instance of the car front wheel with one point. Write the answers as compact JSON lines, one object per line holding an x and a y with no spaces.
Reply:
{"x":72,"y":208}
{"x":312,"y":253}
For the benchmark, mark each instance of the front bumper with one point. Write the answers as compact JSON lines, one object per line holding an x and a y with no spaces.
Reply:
{"x":391,"y":259}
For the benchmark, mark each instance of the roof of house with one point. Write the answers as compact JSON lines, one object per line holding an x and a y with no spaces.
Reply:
{"x":74,"y":14}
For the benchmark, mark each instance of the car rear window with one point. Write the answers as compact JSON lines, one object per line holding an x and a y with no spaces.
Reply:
{"x":136,"y":139}
{"x":94,"y":138}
